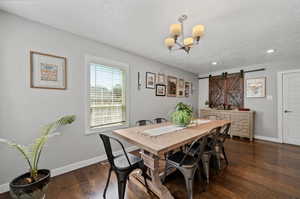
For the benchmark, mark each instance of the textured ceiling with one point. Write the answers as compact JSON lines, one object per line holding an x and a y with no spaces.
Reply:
{"x":238,"y":32}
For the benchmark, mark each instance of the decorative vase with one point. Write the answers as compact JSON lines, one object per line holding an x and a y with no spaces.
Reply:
{"x":34,"y":190}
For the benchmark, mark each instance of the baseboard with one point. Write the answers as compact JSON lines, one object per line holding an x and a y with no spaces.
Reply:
{"x":4,"y":188}
{"x":73,"y":166}
{"x":270,"y":139}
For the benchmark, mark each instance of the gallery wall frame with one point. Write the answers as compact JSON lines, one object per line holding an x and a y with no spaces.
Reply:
{"x":160,"y":90}
{"x":150,"y":80}
{"x":180,"y":88}
{"x":256,"y":87}
{"x":48,"y":71}
{"x":187,"y":89}
{"x":161,"y":78}
{"x":171,"y":86}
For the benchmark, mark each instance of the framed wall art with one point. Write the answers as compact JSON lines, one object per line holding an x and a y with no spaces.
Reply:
{"x":150,"y":80}
{"x":180,"y":88}
{"x":187,"y":89}
{"x":172,"y":86}
{"x":48,"y":71}
{"x":256,"y":87}
{"x":161,"y":78}
{"x":160,"y":90}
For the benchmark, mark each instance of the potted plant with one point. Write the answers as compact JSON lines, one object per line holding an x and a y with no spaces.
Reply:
{"x":33,"y":184}
{"x":206,"y":103}
{"x":183,"y":114}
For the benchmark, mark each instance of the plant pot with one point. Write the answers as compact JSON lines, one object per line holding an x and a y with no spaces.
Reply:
{"x":35,"y":190}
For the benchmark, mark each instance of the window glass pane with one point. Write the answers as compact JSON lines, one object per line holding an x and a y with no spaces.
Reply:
{"x":106,"y":96}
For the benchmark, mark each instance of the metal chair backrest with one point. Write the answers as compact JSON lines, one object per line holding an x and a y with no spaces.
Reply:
{"x":200,"y":143}
{"x":143,"y":122}
{"x":224,"y":134}
{"x":108,"y":150}
{"x":159,"y":120}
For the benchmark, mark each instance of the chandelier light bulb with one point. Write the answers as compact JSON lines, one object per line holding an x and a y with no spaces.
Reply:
{"x":175,"y":30}
{"x":198,"y":31}
{"x":188,"y":42}
{"x":169,"y":42}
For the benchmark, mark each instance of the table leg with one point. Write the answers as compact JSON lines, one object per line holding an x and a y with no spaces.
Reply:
{"x":155,"y":184}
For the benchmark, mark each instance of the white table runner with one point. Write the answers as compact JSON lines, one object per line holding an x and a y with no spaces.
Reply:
{"x":171,"y":128}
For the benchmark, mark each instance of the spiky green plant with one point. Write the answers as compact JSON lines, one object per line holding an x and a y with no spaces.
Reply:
{"x":32,"y":152}
{"x":183,"y":114}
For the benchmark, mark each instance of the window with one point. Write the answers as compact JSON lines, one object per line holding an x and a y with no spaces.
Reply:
{"x":107,"y":99}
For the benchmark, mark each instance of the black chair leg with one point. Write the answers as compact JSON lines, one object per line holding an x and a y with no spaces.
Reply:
{"x":144,"y":170}
{"x":165,"y":172}
{"x":189,"y":180}
{"x":122,"y":180}
{"x":107,"y":182}
{"x":224,"y":154}
{"x":206,"y":165}
{"x":218,"y":158}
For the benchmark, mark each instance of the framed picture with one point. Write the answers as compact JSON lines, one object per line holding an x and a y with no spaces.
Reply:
{"x":160,"y":90}
{"x":150,"y":80}
{"x":187,"y":89}
{"x":180,"y":88}
{"x":161,"y":78}
{"x":172,"y":86}
{"x":256,"y":87}
{"x":48,"y":71}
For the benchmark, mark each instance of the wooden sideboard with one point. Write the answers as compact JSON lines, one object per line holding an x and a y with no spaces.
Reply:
{"x":242,"y":121}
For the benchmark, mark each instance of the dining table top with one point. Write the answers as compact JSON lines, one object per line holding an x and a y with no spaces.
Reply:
{"x":163,"y":143}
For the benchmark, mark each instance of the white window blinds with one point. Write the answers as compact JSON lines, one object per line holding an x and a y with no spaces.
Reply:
{"x":106,"y":96}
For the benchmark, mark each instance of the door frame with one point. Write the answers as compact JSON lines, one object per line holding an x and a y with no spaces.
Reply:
{"x":280,"y":101}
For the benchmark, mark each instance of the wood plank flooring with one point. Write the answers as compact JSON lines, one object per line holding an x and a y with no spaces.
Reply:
{"x":258,"y":170}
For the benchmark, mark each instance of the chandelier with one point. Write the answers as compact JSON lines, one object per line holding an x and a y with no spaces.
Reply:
{"x":177,"y":33}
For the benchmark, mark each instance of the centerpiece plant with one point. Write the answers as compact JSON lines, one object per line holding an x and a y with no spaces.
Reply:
{"x":34,"y":183}
{"x":182,"y":115}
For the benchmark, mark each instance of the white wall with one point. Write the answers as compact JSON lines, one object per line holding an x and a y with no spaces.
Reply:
{"x":24,"y":110}
{"x":203,"y":93}
{"x":266,"y":108}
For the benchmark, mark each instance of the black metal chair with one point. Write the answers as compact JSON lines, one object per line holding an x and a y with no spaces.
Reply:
{"x":208,"y":152}
{"x":159,"y":120}
{"x":187,"y":164}
{"x":122,"y":164}
{"x":219,"y":144}
{"x":215,"y":148}
{"x":143,"y":122}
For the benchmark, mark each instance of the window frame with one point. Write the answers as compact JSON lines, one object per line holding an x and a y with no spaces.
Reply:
{"x":110,"y":63}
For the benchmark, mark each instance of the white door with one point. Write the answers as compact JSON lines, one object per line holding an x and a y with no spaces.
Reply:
{"x":291,"y":108}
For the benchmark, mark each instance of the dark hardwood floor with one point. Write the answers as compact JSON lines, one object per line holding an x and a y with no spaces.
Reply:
{"x":256,"y":170}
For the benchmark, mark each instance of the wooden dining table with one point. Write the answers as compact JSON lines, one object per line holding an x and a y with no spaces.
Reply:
{"x":154,"y":147}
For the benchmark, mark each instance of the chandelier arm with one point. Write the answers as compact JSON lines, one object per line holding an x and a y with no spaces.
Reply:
{"x":182,"y":32}
{"x":179,"y":44}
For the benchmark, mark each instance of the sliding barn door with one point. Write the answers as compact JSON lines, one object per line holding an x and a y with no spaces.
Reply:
{"x":227,"y":89}
{"x":235,"y":90}
{"x":217,"y":90}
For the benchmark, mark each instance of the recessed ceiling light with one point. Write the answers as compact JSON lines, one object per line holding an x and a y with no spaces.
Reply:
{"x":214,"y":63}
{"x":270,"y":51}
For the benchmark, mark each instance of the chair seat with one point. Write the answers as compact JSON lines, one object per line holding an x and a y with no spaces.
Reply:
{"x":175,"y":159}
{"x":122,"y":163}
